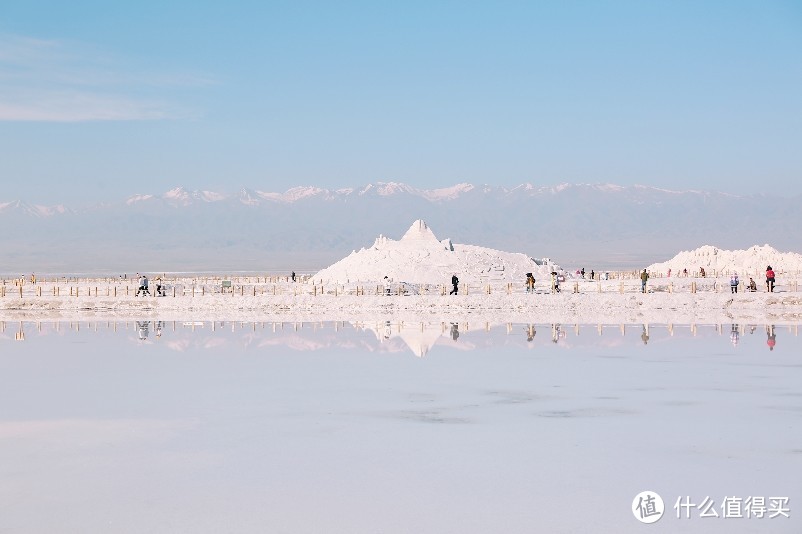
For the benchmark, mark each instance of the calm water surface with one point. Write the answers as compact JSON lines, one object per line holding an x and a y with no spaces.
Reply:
{"x":333,"y":427}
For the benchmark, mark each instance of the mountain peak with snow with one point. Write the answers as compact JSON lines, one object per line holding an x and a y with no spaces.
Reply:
{"x":34,"y":210}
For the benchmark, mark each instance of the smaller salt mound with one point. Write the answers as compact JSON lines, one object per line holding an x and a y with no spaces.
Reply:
{"x":753,"y":260}
{"x":420,"y":258}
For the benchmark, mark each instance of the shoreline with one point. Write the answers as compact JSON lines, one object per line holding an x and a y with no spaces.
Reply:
{"x":580,"y":308}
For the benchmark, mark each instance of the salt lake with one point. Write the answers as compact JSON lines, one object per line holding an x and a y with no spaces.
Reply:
{"x":200,"y":426}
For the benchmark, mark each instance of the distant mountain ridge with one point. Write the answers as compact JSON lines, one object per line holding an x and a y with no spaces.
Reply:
{"x":181,"y":197}
{"x":308,"y":228}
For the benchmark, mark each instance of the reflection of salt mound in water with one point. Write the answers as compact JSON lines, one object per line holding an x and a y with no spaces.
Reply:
{"x":419,"y":339}
{"x":419,"y":257}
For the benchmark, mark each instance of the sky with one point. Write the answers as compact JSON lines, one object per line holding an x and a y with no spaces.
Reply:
{"x":103,"y":100}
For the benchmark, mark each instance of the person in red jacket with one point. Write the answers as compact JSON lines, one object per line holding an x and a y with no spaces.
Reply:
{"x":770,"y":279}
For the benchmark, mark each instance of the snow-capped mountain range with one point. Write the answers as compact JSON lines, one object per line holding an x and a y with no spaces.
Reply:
{"x":307,"y":228}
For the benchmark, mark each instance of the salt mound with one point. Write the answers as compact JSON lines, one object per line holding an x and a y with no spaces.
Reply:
{"x":752,"y":261}
{"x":420,"y":258}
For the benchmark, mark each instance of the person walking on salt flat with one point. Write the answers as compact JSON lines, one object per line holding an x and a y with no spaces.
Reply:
{"x":643,"y":277}
{"x":555,"y":282}
{"x":455,"y":283}
{"x":734,"y":283}
{"x":143,"y":286}
{"x":530,"y":283}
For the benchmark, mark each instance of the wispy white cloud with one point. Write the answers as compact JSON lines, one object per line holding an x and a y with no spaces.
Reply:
{"x":42,"y":80}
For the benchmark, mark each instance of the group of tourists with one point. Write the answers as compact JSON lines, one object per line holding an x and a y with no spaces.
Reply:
{"x":752,"y":285}
{"x":144,"y":286}
{"x":734,"y":280}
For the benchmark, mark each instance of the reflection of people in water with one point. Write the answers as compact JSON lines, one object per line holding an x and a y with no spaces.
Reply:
{"x":387,"y":330}
{"x":142,"y":327}
{"x":530,"y":332}
{"x":159,"y":325}
{"x":454,"y":331}
{"x":645,"y":335}
{"x":735,"y":335}
{"x":772,"y":338}
{"x":556,"y":333}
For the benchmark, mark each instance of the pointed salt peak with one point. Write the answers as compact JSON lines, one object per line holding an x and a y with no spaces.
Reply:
{"x":380,"y":242}
{"x":419,"y":231}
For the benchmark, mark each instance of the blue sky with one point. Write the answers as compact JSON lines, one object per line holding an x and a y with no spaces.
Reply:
{"x":101,"y":100}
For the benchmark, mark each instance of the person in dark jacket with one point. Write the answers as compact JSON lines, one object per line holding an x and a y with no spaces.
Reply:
{"x":455,"y":283}
{"x":752,"y":285}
